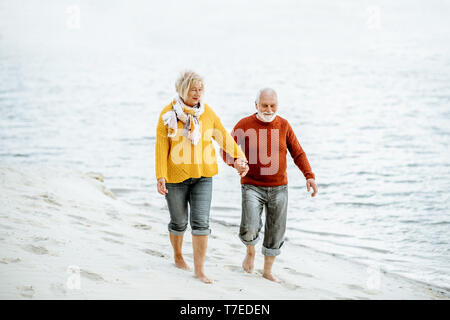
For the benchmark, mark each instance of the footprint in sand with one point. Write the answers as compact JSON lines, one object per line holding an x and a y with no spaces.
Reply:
{"x":81,"y":224}
{"x":48,"y":240}
{"x":361,"y":289}
{"x":87,"y":221}
{"x":36,"y":249}
{"x":9,"y":260}
{"x":281,"y":281}
{"x":143,"y":227}
{"x":108,"y":192}
{"x":113,"y":214}
{"x":58,"y":288}
{"x":77,"y":217}
{"x":355,"y":287}
{"x":289,"y":285}
{"x":114,"y":234}
{"x":26,"y":291}
{"x":154,"y":253}
{"x":295,"y":272}
{"x":50,"y":199}
{"x":39,"y":238}
{"x":259,"y":272}
{"x":95,"y":175}
{"x":233,"y":268}
{"x":112,"y":240}
{"x":91,"y":275}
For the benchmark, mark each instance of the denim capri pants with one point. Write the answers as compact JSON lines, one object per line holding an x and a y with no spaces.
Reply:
{"x":275,"y":201}
{"x":195,"y":192}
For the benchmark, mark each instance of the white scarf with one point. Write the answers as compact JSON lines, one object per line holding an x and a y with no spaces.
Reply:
{"x":188,"y":115}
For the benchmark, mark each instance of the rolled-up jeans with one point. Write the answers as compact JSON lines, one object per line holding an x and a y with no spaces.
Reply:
{"x":196,"y":192}
{"x":254,"y":200}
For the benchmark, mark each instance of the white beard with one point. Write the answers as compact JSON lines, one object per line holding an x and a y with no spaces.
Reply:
{"x":266,"y":118}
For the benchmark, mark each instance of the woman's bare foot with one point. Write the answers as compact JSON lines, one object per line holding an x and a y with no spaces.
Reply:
{"x":180,"y":263}
{"x":203,"y":278}
{"x":248,"y":263}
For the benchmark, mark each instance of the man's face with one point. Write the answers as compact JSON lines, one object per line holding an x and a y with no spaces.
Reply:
{"x":268,"y":104}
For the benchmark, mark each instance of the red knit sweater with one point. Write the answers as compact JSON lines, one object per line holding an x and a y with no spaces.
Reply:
{"x":265,"y":145}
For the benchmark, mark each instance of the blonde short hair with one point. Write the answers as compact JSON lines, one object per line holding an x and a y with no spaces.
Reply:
{"x":185,"y":81}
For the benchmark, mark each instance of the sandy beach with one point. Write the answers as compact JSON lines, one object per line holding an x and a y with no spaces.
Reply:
{"x":65,"y":235}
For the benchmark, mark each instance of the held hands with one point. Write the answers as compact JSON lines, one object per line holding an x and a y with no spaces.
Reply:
{"x":241,"y":166}
{"x":161,"y":185}
{"x":311,"y":183}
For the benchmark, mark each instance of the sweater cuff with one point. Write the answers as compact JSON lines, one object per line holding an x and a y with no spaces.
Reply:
{"x":310,"y":176}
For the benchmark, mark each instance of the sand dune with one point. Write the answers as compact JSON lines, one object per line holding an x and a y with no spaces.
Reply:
{"x":64,"y":235}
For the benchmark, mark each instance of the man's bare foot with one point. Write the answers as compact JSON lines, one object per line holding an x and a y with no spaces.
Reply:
{"x":248,"y":263}
{"x":180,"y":263}
{"x":203,"y":278}
{"x":270,"y":277}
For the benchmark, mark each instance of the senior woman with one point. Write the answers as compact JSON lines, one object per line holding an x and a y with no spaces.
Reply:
{"x":186,"y":162}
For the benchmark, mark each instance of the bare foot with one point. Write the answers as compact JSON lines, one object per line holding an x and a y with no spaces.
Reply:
{"x":248,"y":263}
{"x":203,"y":278}
{"x":180,"y":263}
{"x":270,"y":277}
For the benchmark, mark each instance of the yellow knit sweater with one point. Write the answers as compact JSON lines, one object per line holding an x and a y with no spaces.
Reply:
{"x":178,"y":159}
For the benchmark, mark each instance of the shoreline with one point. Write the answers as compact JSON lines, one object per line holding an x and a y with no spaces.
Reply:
{"x":442,"y":290}
{"x":65,"y":235}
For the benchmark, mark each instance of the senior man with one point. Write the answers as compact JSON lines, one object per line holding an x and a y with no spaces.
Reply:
{"x":265,"y":138}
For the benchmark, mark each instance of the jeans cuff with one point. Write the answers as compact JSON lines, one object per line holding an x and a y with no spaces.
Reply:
{"x":249,"y":243}
{"x":270,"y":252}
{"x":175,"y":232}
{"x":201,"y":232}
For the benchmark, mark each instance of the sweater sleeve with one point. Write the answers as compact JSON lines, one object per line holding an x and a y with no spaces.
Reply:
{"x":161,"y":149}
{"x":297,"y":153}
{"x":226,"y":141}
{"x":225,"y":156}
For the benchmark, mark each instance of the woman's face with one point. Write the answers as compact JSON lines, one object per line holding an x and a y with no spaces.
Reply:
{"x":194,"y":94}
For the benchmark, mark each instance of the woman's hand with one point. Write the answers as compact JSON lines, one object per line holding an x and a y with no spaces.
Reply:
{"x":241,"y":166}
{"x":161,"y":185}
{"x":311,"y":183}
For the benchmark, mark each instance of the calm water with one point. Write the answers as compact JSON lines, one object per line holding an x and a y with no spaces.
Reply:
{"x":365,"y":86}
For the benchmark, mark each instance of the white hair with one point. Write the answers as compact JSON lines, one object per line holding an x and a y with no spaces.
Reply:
{"x":265,"y":90}
{"x":186,"y":79}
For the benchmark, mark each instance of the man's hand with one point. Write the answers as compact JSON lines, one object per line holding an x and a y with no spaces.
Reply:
{"x":241,"y":166}
{"x":311,"y":183}
{"x":161,"y":185}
